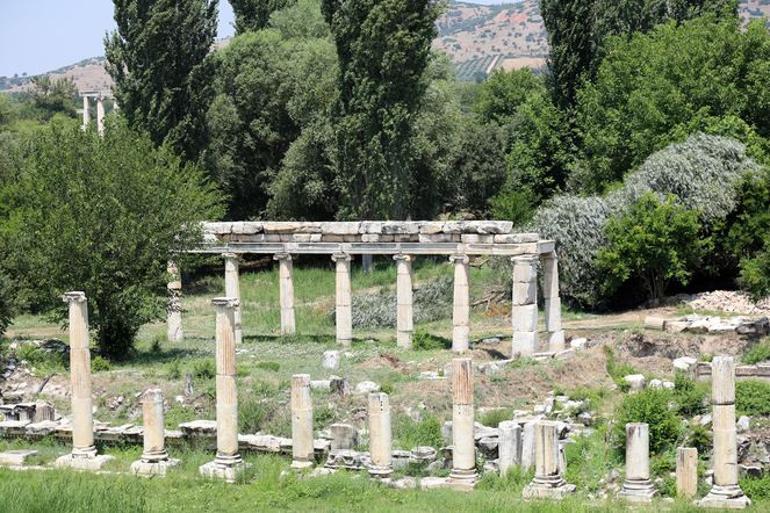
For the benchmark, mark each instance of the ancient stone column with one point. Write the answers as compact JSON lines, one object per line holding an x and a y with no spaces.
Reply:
{"x":509,"y":446}
{"x":637,"y":487}
{"x":461,"y":308}
{"x":380,"y":435}
{"x":687,"y":472}
{"x":548,"y":481}
{"x":233,"y":289}
{"x":286,"y":287}
{"x":552,"y":302}
{"x":524,"y":313}
{"x":725,"y":493}
{"x":228,"y":462}
{"x":301,"y":422}
{"x":174,"y":332}
{"x":100,"y":114}
{"x":404,"y":301}
{"x":155,"y":460}
{"x":83,"y":455}
{"x":344,"y":302}
{"x":86,"y":113}
{"x":463,"y":473}
{"x":367,"y":263}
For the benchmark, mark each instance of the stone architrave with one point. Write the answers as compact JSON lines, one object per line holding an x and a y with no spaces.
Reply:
{"x":174,"y":332}
{"x":380,"y":435}
{"x":233,"y":289}
{"x":286,"y":288}
{"x":548,"y":482}
{"x":155,"y":460}
{"x":552,"y":302}
{"x":83,"y":455}
{"x":404,"y":301}
{"x":100,"y":114}
{"x":637,"y":487}
{"x":463,"y":474}
{"x":228,"y":463}
{"x":687,"y":472}
{"x":725,"y":493}
{"x":303,"y":455}
{"x":86,"y":113}
{"x":509,"y":446}
{"x":343,"y":301}
{"x":524,"y":310}
{"x":461,"y":308}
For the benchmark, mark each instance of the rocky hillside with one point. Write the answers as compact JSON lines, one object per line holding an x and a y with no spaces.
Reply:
{"x":478,"y":38}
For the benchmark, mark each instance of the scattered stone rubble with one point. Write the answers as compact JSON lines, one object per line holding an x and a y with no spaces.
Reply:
{"x":702,"y":324}
{"x":725,"y":301}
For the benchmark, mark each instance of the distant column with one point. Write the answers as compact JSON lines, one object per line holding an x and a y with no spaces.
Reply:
{"x":380,"y":435}
{"x":548,"y":482}
{"x":301,"y":422}
{"x":344,"y":301}
{"x":100,"y":114}
{"x":637,"y":487}
{"x":86,"y":113}
{"x":687,"y":472}
{"x":233,"y":289}
{"x":174,"y":332}
{"x":404,"y":301}
{"x":552,"y":302}
{"x":725,"y":493}
{"x":228,"y":462}
{"x":83,"y":455}
{"x":461,"y":304}
{"x":286,"y":287}
{"x":524,"y":310}
{"x":509,"y":447}
{"x":463,"y":473}
{"x":155,"y":460}
{"x":367,"y":263}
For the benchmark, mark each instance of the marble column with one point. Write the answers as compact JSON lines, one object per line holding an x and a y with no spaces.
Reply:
{"x":233,"y":289}
{"x":228,"y":462}
{"x":461,"y":308}
{"x":83,"y":455}
{"x":344,"y":303}
{"x":86,"y":113}
{"x":552,"y":301}
{"x":404,"y":301}
{"x":100,"y":114}
{"x":637,"y":487}
{"x":524,"y":310}
{"x":509,"y":446}
{"x":155,"y":460}
{"x":548,"y":482}
{"x":367,"y":263}
{"x":302,"y":451}
{"x":174,"y":332}
{"x":463,"y":474}
{"x":380,"y":435}
{"x":687,"y":472}
{"x":286,"y":287}
{"x":725,"y":493}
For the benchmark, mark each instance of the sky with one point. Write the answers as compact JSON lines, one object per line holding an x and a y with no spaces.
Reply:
{"x":37,"y":36}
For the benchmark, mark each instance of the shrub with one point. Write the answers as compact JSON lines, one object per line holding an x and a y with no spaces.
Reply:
{"x":6,"y":303}
{"x":426,"y":431}
{"x":759,"y":352}
{"x":617,"y":370}
{"x":99,"y":364}
{"x":493,"y":418}
{"x":513,"y":205}
{"x":432,"y":301}
{"x":255,"y":408}
{"x":752,"y":397}
{"x":691,"y":398}
{"x":756,"y":488}
{"x":115,"y":210}
{"x":652,"y":407}
{"x":424,"y":341}
{"x":204,"y":368}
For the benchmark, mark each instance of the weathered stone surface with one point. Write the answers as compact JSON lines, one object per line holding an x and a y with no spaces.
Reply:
{"x":331,"y":360}
{"x":16,"y":457}
{"x":344,"y":436}
{"x":635,"y":382}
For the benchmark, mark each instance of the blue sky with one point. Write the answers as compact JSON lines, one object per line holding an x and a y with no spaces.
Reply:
{"x":41,"y":35}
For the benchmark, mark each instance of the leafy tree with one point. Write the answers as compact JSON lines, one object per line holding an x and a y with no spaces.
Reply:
{"x":115,"y":210}
{"x":500,"y":96}
{"x":7,"y":306}
{"x":50,"y":97}
{"x":255,"y":14}
{"x":157,"y":59}
{"x":655,"y":242}
{"x":383,"y":47}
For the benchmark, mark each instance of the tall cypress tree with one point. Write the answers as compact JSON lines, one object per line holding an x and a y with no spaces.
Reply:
{"x":383,"y":48}
{"x":255,"y":14}
{"x":157,"y":58}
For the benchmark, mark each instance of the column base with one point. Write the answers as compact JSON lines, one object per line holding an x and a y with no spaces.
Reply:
{"x":149,"y":468}
{"x":345,"y":342}
{"x":555,"y":488}
{"x":225,"y":468}
{"x":638,"y":491}
{"x":461,"y":479}
{"x":524,"y":344}
{"x":80,"y":461}
{"x":379,"y":472}
{"x":404,"y":339}
{"x":301,"y":465}
{"x":725,"y":497}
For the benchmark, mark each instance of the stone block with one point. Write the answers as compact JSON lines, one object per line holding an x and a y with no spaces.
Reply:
{"x":524,"y":318}
{"x":153,"y":468}
{"x":83,"y":463}
{"x":474,"y":238}
{"x":331,"y":360}
{"x":344,"y":437}
{"x":16,"y":457}
{"x":516,"y":238}
{"x":524,"y":293}
{"x":636,"y":382}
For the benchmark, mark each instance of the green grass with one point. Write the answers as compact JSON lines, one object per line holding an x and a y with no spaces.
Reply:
{"x":759,"y":352}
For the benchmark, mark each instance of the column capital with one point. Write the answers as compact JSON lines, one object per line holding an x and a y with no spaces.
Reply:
{"x":459,"y":257}
{"x":230,"y":255}
{"x":525,"y":259}
{"x":75,"y":296}
{"x":549,"y":256}
{"x":152,"y":395}
{"x":402,"y":257}
{"x":282,"y":256}
{"x":225,"y":302}
{"x":341,"y":257}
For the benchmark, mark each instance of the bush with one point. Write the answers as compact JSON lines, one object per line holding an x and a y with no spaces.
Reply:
{"x":99,"y":364}
{"x":752,"y":397}
{"x":493,"y":418}
{"x":204,"y":369}
{"x":513,"y":205}
{"x":652,"y":407}
{"x":6,"y":303}
{"x":432,"y":301}
{"x":426,"y":432}
{"x":691,"y":397}
{"x":756,"y":488}
{"x":424,"y":341}
{"x":759,"y":352}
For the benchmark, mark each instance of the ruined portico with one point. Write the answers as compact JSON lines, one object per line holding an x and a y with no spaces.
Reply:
{"x":459,"y":241}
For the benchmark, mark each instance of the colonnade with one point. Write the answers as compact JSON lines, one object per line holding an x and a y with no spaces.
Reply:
{"x":99,"y":97}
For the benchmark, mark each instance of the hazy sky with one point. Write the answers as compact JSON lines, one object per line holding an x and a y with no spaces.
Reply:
{"x":42,"y":35}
